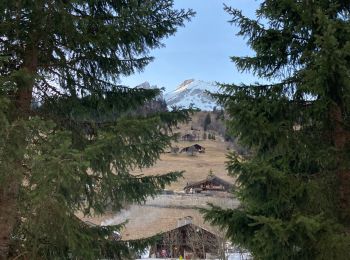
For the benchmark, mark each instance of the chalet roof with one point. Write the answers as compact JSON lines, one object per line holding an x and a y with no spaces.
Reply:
{"x":211,"y":179}
{"x":185,"y":226}
{"x":161,"y":214}
{"x":156,"y":220}
{"x":198,"y":145}
{"x":194,"y":146}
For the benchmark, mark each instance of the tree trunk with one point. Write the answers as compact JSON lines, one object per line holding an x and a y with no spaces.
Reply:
{"x":8,"y":214}
{"x":14,"y":153}
{"x":341,"y":139}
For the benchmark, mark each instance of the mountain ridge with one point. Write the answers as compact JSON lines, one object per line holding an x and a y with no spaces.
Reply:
{"x":192,"y":92}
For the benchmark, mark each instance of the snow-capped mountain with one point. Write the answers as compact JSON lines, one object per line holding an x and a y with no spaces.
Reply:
{"x":145,"y":85}
{"x":193,"y":92}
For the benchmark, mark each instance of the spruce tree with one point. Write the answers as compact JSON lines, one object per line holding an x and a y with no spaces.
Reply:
{"x":207,"y":122}
{"x":294,"y":186}
{"x":68,"y":134}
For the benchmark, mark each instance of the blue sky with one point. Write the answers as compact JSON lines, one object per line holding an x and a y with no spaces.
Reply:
{"x":200,"y":50}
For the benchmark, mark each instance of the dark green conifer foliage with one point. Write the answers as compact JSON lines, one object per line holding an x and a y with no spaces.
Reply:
{"x":294,"y":186}
{"x":68,"y":135}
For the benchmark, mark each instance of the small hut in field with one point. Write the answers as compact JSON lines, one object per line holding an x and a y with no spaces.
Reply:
{"x":196,"y":148}
{"x":211,"y":183}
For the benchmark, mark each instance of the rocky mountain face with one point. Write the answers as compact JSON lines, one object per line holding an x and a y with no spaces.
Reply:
{"x":146,"y":85}
{"x":193,"y":92}
{"x":156,"y":105}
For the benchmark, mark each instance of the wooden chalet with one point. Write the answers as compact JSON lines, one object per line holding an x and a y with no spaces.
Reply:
{"x":187,"y":240}
{"x":193,"y":148}
{"x":199,"y":148}
{"x":211,"y":183}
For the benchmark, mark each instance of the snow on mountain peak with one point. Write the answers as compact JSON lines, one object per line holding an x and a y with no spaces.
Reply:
{"x":184,"y":85}
{"x":193,"y":92}
{"x":145,"y":85}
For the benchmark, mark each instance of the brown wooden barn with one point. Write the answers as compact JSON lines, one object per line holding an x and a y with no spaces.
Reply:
{"x":211,"y":183}
{"x":193,"y":148}
{"x":187,"y":240}
{"x":199,"y":148}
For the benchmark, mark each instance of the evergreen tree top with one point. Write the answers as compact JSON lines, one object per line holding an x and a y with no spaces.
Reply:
{"x":294,"y":185}
{"x":74,"y":149}
{"x":84,"y":46}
